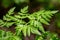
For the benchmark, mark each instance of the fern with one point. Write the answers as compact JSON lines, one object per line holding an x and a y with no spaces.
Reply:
{"x":34,"y":25}
{"x":8,"y":36}
{"x":47,"y":36}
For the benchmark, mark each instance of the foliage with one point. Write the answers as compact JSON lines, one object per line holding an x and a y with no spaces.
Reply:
{"x":26,"y":23}
{"x":8,"y":36}
{"x":34,"y":25}
{"x":47,"y":36}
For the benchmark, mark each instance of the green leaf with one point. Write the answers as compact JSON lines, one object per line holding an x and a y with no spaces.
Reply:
{"x":41,"y":28}
{"x":18,"y":30}
{"x":11,"y":11}
{"x":24,"y":10}
{"x":8,"y":24}
{"x":44,"y":21}
{"x":24,"y":30}
{"x":6,"y":18}
{"x":53,"y":12}
{"x":46,"y":18}
{"x":28,"y":31}
{"x":1,"y":22}
{"x":35,"y":31}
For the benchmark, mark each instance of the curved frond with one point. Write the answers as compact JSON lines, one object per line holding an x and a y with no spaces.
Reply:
{"x":34,"y":25}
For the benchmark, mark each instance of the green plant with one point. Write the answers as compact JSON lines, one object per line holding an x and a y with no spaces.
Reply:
{"x":8,"y":36}
{"x":47,"y":36}
{"x":33,"y":24}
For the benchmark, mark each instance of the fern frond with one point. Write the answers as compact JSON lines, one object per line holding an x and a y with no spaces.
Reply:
{"x":47,"y":36}
{"x":42,"y":16}
{"x":26,"y":30}
{"x":34,"y":25}
{"x":8,"y":36}
{"x":8,"y":18}
{"x":11,"y":11}
{"x":24,"y":10}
